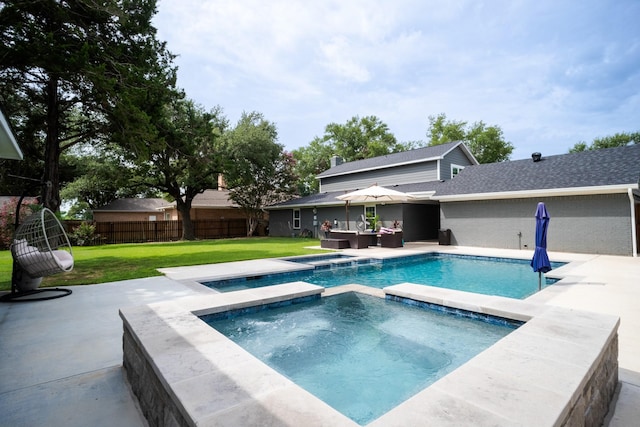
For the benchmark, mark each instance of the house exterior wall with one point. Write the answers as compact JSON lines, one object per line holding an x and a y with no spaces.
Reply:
{"x":278,"y":222}
{"x":406,"y":174}
{"x":419,"y":221}
{"x":455,"y":157}
{"x":598,"y":224}
{"x":126,"y":216}
{"x":209,"y":213}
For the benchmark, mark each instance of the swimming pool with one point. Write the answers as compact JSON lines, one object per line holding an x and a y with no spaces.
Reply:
{"x":361,"y":354}
{"x":491,"y":276}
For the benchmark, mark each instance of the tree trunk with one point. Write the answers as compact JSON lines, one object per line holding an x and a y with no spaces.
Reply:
{"x":184,"y":207}
{"x":252,"y":224}
{"x":51,"y":178}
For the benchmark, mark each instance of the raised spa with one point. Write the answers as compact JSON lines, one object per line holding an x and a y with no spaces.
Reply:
{"x":558,"y":368}
{"x":361,"y":354}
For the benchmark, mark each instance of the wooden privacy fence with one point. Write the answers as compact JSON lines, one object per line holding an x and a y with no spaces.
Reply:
{"x":160,"y":231}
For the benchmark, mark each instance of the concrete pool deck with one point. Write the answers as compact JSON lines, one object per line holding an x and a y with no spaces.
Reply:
{"x":63,"y":358}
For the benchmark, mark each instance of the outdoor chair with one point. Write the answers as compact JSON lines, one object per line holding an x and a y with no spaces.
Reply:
{"x":41,"y":246}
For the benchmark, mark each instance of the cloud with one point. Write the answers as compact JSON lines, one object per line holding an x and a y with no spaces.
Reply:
{"x":548,"y":73}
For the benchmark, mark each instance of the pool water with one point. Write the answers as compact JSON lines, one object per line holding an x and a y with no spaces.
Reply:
{"x":491,"y":276}
{"x":360,"y":354}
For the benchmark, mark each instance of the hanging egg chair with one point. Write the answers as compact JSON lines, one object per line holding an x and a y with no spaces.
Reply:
{"x":41,"y":246}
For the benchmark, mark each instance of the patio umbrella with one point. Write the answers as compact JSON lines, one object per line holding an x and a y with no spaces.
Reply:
{"x":374,"y":193}
{"x":540,"y":261}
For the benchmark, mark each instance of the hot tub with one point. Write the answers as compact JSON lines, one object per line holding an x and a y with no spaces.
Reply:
{"x":559,"y":368}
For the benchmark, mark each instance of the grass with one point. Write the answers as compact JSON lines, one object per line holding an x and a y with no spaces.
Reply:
{"x":110,"y":263}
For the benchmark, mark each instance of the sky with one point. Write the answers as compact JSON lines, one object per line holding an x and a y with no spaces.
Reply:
{"x":548,"y":73}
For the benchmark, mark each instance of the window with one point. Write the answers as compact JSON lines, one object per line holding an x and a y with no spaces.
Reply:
{"x":455,"y":170}
{"x":296,"y":219}
{"x":152,"y":217}
{"x":370,"y":211}
{"x":370,"y":214}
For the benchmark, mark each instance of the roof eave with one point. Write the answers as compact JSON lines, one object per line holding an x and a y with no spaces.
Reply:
{"x":391,"y":165}
{"x":9,"y":148}
{"x":464,"y":148}
{"x":549,"y":192}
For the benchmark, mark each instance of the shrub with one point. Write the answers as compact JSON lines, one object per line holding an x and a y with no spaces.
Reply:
{"x":8,"y":218}
{"x":84,"y":234}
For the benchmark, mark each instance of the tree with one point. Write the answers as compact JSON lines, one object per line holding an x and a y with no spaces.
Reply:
{"x":442,"y":131}
{"x":359,"y":138}
{"x":100,"y":178}
{"x":182,"y":159}
{"x":486,"y":143}
{"x":78,"y":71}
{"x":615,"y":140}
{"x":309,"y":162}
{"x":257,"y":172}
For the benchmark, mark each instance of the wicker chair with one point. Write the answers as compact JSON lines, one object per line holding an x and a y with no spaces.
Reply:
{"x":41,"y":246}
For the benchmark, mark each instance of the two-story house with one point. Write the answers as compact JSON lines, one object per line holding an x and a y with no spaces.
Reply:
{"x":593,"y":198}
{"x":418,"y":172}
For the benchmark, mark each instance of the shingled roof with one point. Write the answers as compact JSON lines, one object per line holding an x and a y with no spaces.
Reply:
{"x":568,"y":173}
{"x":390,"y":160}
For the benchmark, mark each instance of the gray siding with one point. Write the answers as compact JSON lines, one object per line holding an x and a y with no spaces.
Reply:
{"x":583,"y":224}
{"x":456,"y":157}
{"x":278,"y":222}
{"x":419,"y":221}
{"x":407,"y":174}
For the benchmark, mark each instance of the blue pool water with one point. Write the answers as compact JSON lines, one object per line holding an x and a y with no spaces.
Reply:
{"x":360,"y":354}
{"x":491,"y":276}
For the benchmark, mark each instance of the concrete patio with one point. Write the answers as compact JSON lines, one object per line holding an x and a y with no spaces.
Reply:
{"x":63,"y":358}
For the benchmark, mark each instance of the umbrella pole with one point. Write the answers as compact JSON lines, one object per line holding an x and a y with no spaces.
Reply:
{"x":539,"y":280}
{"x":347,"y":213}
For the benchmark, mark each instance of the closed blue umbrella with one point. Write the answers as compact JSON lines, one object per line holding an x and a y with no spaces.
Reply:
{"x":540,"y":261}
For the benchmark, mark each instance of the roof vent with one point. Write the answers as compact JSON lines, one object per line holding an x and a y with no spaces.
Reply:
{"x":536,"y":157}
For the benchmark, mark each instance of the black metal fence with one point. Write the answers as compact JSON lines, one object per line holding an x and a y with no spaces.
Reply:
{"x":158,"y":231}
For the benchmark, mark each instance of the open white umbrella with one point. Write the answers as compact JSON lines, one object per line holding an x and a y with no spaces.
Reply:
{"x":374,"y":193}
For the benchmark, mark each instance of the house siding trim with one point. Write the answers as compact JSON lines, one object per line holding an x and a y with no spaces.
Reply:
{"x":390,"y":176}
{"x":459,"y":146}
{"x":548,"y":192}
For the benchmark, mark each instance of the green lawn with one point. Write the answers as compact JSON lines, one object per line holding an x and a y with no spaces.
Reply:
{"x":109,"y":263}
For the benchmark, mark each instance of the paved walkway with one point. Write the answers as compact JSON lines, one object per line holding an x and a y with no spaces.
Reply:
{"x":62,"y":359}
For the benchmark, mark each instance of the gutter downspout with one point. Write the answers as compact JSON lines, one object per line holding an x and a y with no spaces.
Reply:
{"x":634,"y":232}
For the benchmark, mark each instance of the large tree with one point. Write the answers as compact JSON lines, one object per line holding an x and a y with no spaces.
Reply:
{"x":257,"y":172}
{"x":357,"y":139}
{"x":78,"y":71}
{"x":615,"y":140}
{"x":101,"y":176}
{"x":486,"y":143}
{"x":182,"y":158}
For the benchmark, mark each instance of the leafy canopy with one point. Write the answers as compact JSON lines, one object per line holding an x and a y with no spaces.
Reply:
{"x":615,"y":140}
{"x":486,"y":143}
{"x":357,"y":139}
{"x":78,"y":72}
{"x":182,"y":158}
{"x":257,"y":171}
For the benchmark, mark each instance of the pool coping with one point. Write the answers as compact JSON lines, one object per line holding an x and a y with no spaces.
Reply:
{"x":534,"y":376}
